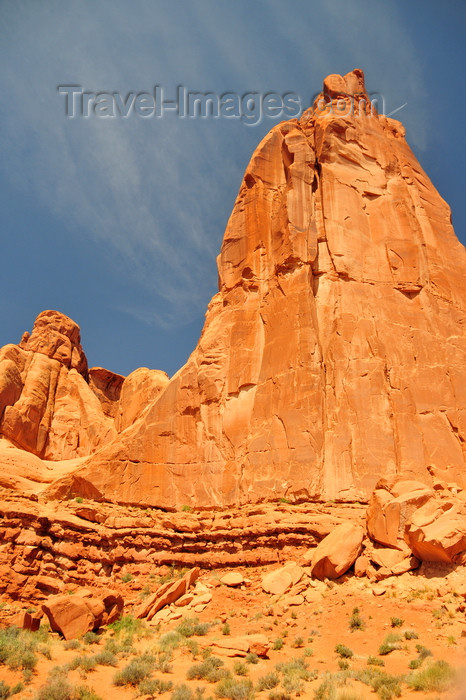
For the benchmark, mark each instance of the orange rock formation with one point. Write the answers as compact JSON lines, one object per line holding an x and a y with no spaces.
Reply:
{"x":332,"y":354}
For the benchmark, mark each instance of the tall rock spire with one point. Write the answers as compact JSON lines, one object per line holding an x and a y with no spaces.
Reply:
{"x":334,"y":351}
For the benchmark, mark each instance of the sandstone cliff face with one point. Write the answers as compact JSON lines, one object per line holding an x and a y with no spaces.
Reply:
{"x":333,"y":353}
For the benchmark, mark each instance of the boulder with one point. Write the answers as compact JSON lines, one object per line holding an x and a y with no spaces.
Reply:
{"x":233,"y":578}
{"x":334,"y":555}
{"x":69,"y":615}
{"x":390,"y":508}
{"x":405,"y":514}
{"x":74,"y":615}
{"x":283,"y":579}
{"x":438,"y":534}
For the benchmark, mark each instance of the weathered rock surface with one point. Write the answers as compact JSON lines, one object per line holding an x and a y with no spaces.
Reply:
{"x":407,"y":515}
{"x":334,"y":555}
{"x":74,"y":615}
{"x":334,"y":351}
{"x":240,"y":646}
{"x":47,"y":406}
{"x":53,"y":406}
{"x":166,"y":594}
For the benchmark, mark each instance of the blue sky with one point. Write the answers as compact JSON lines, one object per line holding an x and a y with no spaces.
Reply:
{"x":117,"y":222}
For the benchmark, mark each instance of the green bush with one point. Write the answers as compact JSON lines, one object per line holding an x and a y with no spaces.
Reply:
{"x":130,"y":626}
{"x":191,"y":627}
{"x":268,"y":682}
{"x":91,"y":638}
{"x":410,"y":634}
{"x":60,"y":689}
{"x":390,"y":643}
{"x":240,"y":668}
{"x":251,"y":658}
{"x":396,"y":622}
{"x":105,"y":658}
{"x":136,"y":671}
{"x":6,"y":691}
{"x":72,"y":644}
{"x":154,"y":687}
{"x":298,"y":642}
{"x":278,"y":644}
{"x":182,"y":692}
{"x":233,"y":689}
{"x":423,"y":651}
{"x":170,"y":641}
{"x":226,"y":629}
{"x":436,"y":677}
{"x":385,"y":685}
{"x":356,"y":622}
{"x":209,"y":670}
{"x":18,"y":647}
{"x":343,"y":651}
{"x":375,"y":661}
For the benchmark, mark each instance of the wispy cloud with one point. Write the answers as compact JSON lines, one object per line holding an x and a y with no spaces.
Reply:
{"x":157,"y":194}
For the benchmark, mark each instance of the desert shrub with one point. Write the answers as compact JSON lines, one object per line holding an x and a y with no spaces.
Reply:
{"x":191,"y":627}
{"x":130,"y":627}
{"x":182,"y":692}
{"x":170,"y":641}
{"x":91,"y":638}
{"x":83,"y":662}
{"x":209,"y":670}
{"x":385,"y":685}
{"x":390,"y":643}
{"x":356,"y":622}
{"x":18,"y":647}
{"x":279,"y":695}
{"x":240,"y":668}
{"x":296,"y":667}
{"x":251,"y":658}
{"x":298,"y":642}
{"x":396,"y":622}
{"x":423,"y":652}
{"x":226,"y":629}
{"x":105,"y":658}
{"x":343,"y":651}
{"x":136,"y":671}
{"x":436,"y":677}
{"x":7,"y":691}
{"x":72,"y":644}
{"x":278,"y":644}
{"x":154,"y":687}
{"x":60,"y":689}
{"x":343,"y":664}
{"x":410,"y":634}
{"x":233,"y":689}
{"x":162,"y":662}
{"x":326,"y":690}
{"x":375,"y":661}
{"x":268,"y":682}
